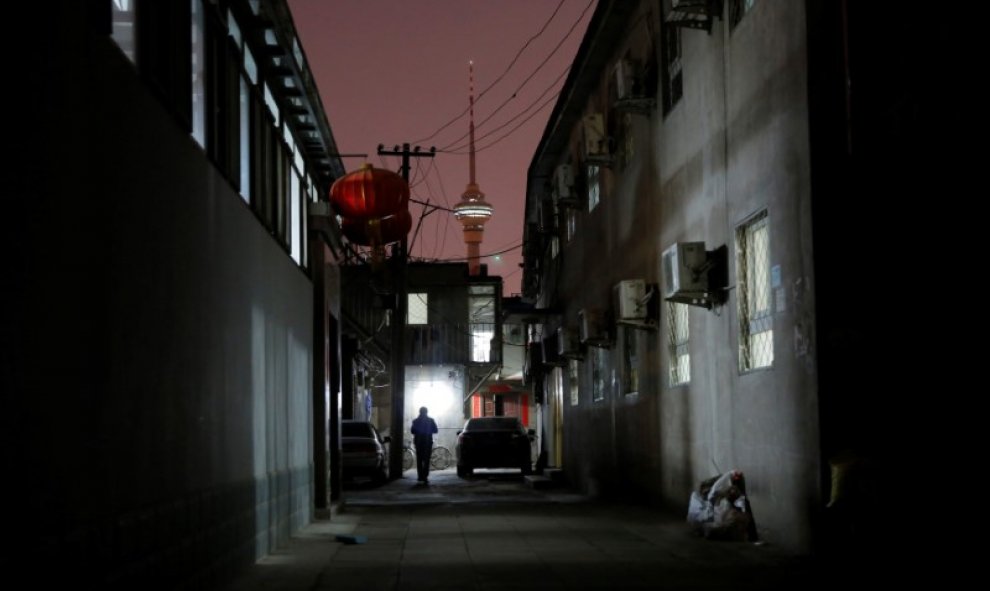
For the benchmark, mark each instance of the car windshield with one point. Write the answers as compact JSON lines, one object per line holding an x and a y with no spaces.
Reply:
{"x":357,"y":430}
{"x":494,"y":424}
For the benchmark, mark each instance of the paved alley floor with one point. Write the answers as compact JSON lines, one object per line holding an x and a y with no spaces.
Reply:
{"x":494,"y":532}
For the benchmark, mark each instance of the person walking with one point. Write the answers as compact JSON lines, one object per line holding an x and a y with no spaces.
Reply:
{"x":423,"y":429}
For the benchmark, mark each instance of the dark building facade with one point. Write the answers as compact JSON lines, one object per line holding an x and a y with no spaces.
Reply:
{"x":159,"y":361}
{"x":695,"y":209}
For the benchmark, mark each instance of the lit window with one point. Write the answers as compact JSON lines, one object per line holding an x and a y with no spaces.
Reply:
{"x":481,"y":321}
{"x":272,"y":105}
{"x":481,"y":342}
{"x":249,"y":66}
{"x":245,"y":130}
{"x":417,"y":312}
{"x":297,"y":53}
{"x":122,"y":22}
{"x":295,"y":221}
{"x":594,"y":186}
{"x":753,"y":279}
{"x":233,"y":28}
{"x":678,"y":335}
{"x":198,"y":74}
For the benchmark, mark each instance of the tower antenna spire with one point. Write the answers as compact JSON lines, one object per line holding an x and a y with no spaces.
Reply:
{"x":472,"y":211}
{"x":471,"y":109}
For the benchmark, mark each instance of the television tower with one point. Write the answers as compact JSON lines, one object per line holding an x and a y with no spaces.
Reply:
{"x":473,"y":211}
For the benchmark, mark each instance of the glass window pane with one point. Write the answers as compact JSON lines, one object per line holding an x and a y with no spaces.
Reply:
{"x":755,"y":309}
{"x":594,"y":190}
{"x":245,"y":131}
{"x":122,"y":23}
{"x":572,"y":378}
{"x":481,"y":309}
{"x":418,"y":308}
{"x":295,"y":215}
{"x":233,"y":28}
{"x":198,"y":74}
{"x":272,"y":105}
{"x":481,"y":341}
{"x":249,"y":66}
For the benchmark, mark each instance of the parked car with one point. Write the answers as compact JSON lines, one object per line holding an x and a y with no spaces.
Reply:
{"x":363,"y":450}
{"x":493,"y":442}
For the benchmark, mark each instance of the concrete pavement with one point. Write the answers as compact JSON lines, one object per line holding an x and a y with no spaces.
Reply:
{"x":493,"y":532}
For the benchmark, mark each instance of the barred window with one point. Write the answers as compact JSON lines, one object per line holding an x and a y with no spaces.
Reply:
{"x":670,"y":67}
{"x":573,"y":382}
{"x":481,"y":321}
{"x":418,"y":310}
{"x":571,"y":227}
{"x":598,"y":373}
{"x":678,"y":335}
{"x":630,"y":374}
{"x":594,"y":186}
{"x":753,"y":279}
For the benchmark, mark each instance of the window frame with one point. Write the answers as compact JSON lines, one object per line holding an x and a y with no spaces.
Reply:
{"x":755,"y":297}
{"x":678,"y":343}
{"x":423,"y":298}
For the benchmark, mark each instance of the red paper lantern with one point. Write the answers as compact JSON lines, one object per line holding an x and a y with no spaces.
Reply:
{"x":369,"y":193}
{"x":377,"y":231}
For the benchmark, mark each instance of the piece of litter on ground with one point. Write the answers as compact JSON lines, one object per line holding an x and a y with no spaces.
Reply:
{"x":351,"y":539}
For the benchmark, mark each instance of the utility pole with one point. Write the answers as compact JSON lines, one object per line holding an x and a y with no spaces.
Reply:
{"x":398,"y":369}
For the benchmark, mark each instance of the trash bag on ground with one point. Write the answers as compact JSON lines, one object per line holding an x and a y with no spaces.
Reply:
{"x":719,"y":510}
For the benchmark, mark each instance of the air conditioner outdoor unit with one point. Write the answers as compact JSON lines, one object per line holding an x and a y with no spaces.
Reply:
{"x":685,"y":271}
{"x":630,"y":300}
{"x":595,"y":140}
{"x":591,"y":328}
{"x":696,"y":6}
{"x":567,"y":343}
{"x":625,"y":79}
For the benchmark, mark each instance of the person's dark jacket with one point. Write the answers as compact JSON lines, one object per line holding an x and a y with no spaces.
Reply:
{"x":423,"y":428}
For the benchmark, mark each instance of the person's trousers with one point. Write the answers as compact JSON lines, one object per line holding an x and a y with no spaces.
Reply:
{"x":423,"y":460}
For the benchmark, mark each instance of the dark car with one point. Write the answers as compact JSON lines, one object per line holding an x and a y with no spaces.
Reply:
{"x":493,"y":442}
{"x":363,"y":451}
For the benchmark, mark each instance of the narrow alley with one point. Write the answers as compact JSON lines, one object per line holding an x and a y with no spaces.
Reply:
{"x":495,"y":532}
{"x":229,"y":300}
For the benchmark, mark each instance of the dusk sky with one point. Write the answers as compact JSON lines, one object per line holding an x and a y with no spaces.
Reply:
{"x":394,"y":71}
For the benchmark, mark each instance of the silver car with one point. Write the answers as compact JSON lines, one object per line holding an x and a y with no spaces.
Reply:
{"x":363,"y":450}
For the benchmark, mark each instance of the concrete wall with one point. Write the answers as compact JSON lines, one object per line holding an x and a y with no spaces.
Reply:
{"x":157,"y":414}
{"x":735,"y":144}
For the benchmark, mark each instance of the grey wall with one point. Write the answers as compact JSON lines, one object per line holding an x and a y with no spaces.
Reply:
{"x":157,"y":403}
{"x":735,"y":144}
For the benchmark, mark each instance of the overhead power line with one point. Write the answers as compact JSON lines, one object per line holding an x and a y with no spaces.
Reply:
{"x":536,"y":71}
{"x":502,"y":75}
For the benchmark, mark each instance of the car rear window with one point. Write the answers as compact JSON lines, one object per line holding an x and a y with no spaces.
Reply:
{"x":494,"y":424}
{"x":356,"y":430}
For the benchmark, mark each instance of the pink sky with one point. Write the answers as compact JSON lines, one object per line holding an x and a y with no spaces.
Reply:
{"x":394,"y":71}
